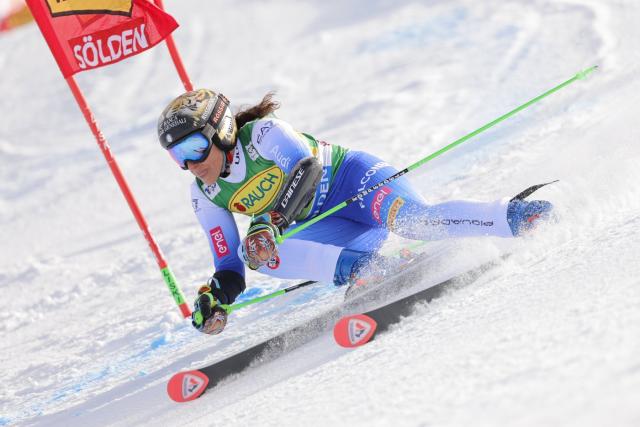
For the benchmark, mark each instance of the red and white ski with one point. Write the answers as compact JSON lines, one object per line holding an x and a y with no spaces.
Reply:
{"x":355,"y":330}
{"x":351,"y":331}
{"x":186,"y":386}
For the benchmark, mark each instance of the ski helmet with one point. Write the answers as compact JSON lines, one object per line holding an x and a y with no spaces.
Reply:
{"x":202,"y":111}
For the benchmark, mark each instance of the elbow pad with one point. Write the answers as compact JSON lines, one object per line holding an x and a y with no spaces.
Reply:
{"x":298,"y":190}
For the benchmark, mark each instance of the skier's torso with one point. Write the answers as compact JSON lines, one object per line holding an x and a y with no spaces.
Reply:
{"x":266,"y":152}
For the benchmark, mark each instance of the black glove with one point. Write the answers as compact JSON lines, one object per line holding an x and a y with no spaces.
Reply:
{"x":207,"y":316}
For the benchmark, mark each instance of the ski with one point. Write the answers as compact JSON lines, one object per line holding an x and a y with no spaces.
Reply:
{"x":189,"y":385}
{"x":358,"y":329}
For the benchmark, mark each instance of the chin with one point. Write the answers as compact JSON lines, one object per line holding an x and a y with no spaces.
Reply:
{"x":208,"y":180}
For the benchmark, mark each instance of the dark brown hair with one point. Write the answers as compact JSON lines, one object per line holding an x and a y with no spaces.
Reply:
{"x":264,"y":108}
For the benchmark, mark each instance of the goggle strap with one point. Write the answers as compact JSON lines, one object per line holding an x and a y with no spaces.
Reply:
{"x":218,"y":110}
{"x":208,"y":131}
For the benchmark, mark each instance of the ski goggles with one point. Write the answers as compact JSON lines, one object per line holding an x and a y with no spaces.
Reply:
{"x":194,"y":148}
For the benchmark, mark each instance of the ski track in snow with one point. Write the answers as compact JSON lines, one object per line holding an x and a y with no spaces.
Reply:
{"x":550,"y":337}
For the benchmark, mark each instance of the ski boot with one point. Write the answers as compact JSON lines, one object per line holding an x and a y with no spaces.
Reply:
{"x":523,"y":216}
{"x":363,"y":271}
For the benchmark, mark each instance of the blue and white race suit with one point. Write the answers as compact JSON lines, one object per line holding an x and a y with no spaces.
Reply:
{"x":313,"y":253}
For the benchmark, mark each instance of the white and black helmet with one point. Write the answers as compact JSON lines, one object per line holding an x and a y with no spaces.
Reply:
{"x":202,"y":111}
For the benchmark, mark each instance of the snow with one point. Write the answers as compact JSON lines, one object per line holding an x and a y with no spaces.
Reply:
{"x":89,"y":334}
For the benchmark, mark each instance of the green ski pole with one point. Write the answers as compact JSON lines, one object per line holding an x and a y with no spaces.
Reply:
{"x":233,"y":307}
{"x":580,"y":75}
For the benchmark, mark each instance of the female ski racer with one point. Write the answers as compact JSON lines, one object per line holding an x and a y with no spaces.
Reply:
{"x":256,"y":164}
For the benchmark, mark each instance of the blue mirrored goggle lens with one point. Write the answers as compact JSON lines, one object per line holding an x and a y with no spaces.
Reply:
{"x":194,"y":147}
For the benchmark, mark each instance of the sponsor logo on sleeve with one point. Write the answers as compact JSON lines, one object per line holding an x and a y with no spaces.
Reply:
{"x":292,"y":188}
{"x":219,"y":242}
{"x":194,"y":203}
{"x":393,"y":212}
{"x":378,"y":198}
{"x":280,"y":158}
{"x":263,"y":130}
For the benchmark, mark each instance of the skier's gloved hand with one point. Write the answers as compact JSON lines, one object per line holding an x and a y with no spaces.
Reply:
{"x":259,"y":246}
{"x":207,"y":316}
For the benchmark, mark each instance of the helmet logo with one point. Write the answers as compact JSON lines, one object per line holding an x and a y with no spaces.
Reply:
{"x":201,"y":111}
{"x":207,"y":111}
{"x":169,"y":124}
{"x":220,"y":108}
{"x":186,"y":111}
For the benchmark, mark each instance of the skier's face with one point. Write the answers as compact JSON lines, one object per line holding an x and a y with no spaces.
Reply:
{"x":209,"y":169}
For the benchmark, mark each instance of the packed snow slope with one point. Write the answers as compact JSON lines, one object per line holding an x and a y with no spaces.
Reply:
{"x":89,"y":334}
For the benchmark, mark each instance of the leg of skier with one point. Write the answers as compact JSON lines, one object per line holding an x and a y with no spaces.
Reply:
{"x":398,"y":207}
{"x":339,"y":247}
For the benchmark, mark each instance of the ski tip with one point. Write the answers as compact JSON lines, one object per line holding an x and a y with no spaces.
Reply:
{"x":354,"y":331}
{"x":187,"y":386}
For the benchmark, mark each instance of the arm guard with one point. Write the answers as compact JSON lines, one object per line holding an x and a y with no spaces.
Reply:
{"x":297,"y":191}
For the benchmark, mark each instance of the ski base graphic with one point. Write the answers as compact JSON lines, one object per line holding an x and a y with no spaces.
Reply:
{"x":186,"y":386}
{"x":354,"y":331}
{"x":355,"y":327}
